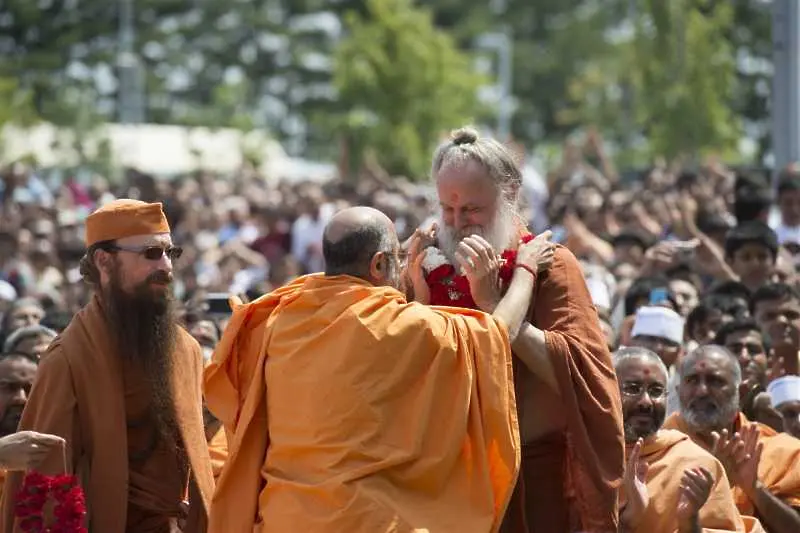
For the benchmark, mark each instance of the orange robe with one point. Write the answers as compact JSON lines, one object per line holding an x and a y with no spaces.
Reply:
{"x":779,"y":469}
{"x":218,"y":450}
{"x":80,"y":394}
{"x":349,"y":409}
{"x":570,"y":478}
{"x":669,"y":453}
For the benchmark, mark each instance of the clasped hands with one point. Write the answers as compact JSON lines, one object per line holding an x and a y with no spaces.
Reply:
{"x":479,"y":262}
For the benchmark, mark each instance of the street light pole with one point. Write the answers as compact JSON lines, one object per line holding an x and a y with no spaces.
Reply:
{"x":131,"y":83}
{"x":505,"y":111}
{"x":785,"y":83}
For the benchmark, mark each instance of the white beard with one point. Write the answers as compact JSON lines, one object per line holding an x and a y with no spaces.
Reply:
{"x":501,"y":233}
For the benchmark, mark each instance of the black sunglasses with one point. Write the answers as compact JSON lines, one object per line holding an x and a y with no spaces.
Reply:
{"x":151,"y":253}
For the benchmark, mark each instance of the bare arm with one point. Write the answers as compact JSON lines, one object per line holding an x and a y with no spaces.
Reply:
{"x":531,"y":348}
{"x":777,"y":515}
{"x":513,"y":307}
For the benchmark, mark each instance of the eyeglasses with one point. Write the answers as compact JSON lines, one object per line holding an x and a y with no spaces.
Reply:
{"x":151,"y":253}
{"x":635,"y":389}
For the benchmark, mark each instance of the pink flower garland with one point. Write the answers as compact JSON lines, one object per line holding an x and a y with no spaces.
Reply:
{"x":69,"y":511}
{"x":452,"y":290}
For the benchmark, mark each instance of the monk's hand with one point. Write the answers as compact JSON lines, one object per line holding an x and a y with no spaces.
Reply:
{"x":26,"y":450}
{"x":694,"y":490}
{"x":635,"y":485}
{"x":415,"y":273}
{"x":748,"y":456}
{"x":538,"y":254}
{"x":481,"y":265}
{"x":740,"y":454}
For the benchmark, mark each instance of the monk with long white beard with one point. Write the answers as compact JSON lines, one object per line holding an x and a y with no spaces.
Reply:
{"x":567,"y":395}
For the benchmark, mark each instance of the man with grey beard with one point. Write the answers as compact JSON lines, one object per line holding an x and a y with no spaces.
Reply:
{"x":568,"y":401}
{"x":762,"y":465}
{"x":121,"y":386}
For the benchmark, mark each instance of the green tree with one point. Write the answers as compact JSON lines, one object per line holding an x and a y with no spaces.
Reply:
{"x":402,"y":84}
{"x":669,"y":78}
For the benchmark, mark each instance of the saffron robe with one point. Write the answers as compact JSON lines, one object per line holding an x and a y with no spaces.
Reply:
{"x":349,"y":409}
{"x":668,"y":454}
{"x":779,"y":469}
{"x":569,"y":478}
{"x":79,"y":394}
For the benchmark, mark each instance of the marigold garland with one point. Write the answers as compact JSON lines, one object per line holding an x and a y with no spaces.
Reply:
{"x":452,"y":290}
{"x":70,"y":504}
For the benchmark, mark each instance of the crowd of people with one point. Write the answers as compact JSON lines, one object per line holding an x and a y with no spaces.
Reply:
{"x":635,"y":366}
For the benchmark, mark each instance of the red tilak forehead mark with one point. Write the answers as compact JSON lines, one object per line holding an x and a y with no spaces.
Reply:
{"x":646,"y":371}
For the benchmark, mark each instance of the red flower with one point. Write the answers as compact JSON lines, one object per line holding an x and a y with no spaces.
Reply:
{"x":453,"y":291}
{"x":70,"y":504}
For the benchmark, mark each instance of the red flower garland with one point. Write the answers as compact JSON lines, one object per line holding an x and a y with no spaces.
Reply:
{"x":448,"y":289}
{"x":69,"y":511}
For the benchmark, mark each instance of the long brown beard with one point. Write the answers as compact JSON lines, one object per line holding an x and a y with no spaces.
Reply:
{"x":144,"y":326}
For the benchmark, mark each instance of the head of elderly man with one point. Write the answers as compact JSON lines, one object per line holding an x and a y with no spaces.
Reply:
{"x":642,"y":377}
{"x":478,"y":184}
{"x":708,"y":389}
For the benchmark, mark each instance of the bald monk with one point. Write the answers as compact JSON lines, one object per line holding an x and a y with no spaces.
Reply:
{"x":122,"y":386}
{"x":671,"y":484}
{"x":568,"y":402}
{"x":350,"y":410}
{"x":763,"y":466}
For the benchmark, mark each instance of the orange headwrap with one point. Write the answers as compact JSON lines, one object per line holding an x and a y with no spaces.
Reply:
{"x":125,"y":218}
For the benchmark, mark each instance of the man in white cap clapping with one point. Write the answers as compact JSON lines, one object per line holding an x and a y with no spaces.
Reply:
{"x":785,"y":395}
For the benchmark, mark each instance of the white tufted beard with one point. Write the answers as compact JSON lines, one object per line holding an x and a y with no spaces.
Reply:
{"x":501,"y":233}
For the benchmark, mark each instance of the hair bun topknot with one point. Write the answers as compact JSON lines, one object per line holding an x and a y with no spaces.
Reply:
{"x":464,"y":136}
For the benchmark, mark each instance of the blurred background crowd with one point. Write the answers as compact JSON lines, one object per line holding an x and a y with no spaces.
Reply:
{"x":657,"y":222}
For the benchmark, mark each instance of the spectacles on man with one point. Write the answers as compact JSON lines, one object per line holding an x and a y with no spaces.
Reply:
{"x":634,"y":389}
{"x":151,"y":253}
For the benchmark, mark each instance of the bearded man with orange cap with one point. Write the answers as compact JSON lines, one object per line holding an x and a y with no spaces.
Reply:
{"x":121,"y":385}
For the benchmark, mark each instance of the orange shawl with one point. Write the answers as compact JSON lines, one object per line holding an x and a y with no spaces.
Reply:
{"x":78,"y":395}
{"x":779,"y":470}
{"x":218,"y":450}
{"x":669,"y":453}
{"x":349,"y":409}
{"x":589,"y":399}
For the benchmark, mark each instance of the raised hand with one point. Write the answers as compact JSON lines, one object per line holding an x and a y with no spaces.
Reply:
{"x":635,"y":485}
{"x":481,"y":266}
{"x":415,"y":274}
{"x":740,"y":454}
{"x":26,"y":450}
{"x":695,"y":489}
{"x":538,"y":254}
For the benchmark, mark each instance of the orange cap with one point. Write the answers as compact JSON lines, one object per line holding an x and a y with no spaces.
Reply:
{"x":125,"y":218}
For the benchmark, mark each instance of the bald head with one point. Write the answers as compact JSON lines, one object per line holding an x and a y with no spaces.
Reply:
{"x":714,"y":354}
{"x":353,"y":237}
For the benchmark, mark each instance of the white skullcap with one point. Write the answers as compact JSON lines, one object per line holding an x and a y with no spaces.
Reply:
{"x":599,"y":292}
{"x":661,"y":322}
{"x":7,"y":291}
{"x":785,"y":389}
{"x":788,"y":234}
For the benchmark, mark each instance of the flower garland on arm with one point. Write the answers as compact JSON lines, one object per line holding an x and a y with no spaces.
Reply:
{"x":450,"y":289}
{"x":69,"y":511}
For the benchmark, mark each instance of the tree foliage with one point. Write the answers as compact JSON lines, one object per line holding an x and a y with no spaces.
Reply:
{"x":668,"y":76}
{"x":402,"y":84}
